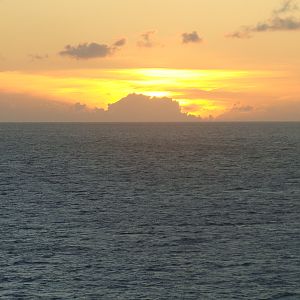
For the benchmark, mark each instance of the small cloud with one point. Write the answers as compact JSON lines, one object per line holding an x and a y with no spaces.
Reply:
{"x":86,"y":51}
{"x":91,"y":50}
{"x":243,"y":34}
{"x":242,"y":109}
{"x":120,"y":43}
{"x":146,"y":39}
{"x":34,"y":57}
{"x":192,"y":37}
{"x":279,"y":21}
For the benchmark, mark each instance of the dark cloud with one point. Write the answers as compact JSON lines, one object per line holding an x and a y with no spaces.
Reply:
{"x":91,"y":50}
{"x":192,"y":37}
{"x":87,"y":51}
{"x":279,"y":21}
{"x":141,"y":108}
{"x":146,"y":39}
{"x":133,"y":108}
{"x":120,"y":43}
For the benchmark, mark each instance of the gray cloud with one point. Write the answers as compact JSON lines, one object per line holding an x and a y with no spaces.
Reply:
{"x":26,"y":108}
{"x":146,"y":39}
{"x":34,"y":57}
{"x":91,"y":50}
{"x":79,"y":107}
{"x":285,"y":112}
{"x":141,"y":108}
{"x":277,"y":24}
{"x":133,"y":108}
{"x":286,"y":6}
{"x":279,"y":21}
{"x":242,"y":109}
{"x":192,"y":37}
{"x":120,"y":43}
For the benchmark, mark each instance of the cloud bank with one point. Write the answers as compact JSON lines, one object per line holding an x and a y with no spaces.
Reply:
{"x":91,"y":50}
{"x":279,"y":21}
{"x":132,"y":108}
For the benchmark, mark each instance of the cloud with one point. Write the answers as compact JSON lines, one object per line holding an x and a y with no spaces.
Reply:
{"x":279,"y":21}
{"x":80,"y":107}
{"x":286,"y":6}
{"x":192,"y":37}
{"x":91,"y":50}
{"x":277,"y":24}
{"x":120,"y":43}
{"x":132,"y":108}
{"x":141,"y":108}
{"x":146,"y":39}
{"x":242,"y":109}
{"x":34,"y":57}
{"x":243,"y":33}
{"x":26,"y":108}
{"x":286,"y":111}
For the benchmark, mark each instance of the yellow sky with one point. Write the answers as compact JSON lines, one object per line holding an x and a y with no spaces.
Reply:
{"x":208,"y":76}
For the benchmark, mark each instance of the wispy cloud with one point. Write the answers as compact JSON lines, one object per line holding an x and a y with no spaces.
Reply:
{"x":191,"y":37}
{"x":34,"y":57}
{"x":120,"y":43}
{"x":242,"y":108}
{"x":146,"y":39}
{"x":281,"y":111}
{"x":280,"y":20}
{"x":92,"y":50}
{"x":286,"y":6}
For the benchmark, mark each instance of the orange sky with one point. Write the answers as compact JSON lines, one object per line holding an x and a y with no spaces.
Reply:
{"x":222,"y":59}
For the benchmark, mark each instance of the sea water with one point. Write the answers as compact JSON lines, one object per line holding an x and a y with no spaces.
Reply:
{"x":150,"y":211}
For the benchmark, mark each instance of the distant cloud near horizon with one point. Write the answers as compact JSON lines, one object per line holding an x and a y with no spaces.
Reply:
{"x":191,"y":37}
{"x":142,"y":108}
{"x":132,"y":108}
{"x":279,"y":21}
{"x":287,"y":111}
{"x":242,"y":109}
{"x":92,"y":50}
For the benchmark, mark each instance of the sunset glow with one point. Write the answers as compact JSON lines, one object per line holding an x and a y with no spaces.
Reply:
{"x":98,"y":88}
{"x":234,"y":66}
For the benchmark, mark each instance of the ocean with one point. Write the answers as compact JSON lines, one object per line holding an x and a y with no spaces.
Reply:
{"x":150,"y":211}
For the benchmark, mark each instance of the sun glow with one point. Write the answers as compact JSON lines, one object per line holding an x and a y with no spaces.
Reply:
{"x":98,"y":88}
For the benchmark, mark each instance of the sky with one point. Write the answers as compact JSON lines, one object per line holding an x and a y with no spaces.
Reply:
{"x":208,"y":60}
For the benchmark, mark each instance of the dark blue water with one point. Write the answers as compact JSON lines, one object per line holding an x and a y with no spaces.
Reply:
{"x":141,"y":211}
